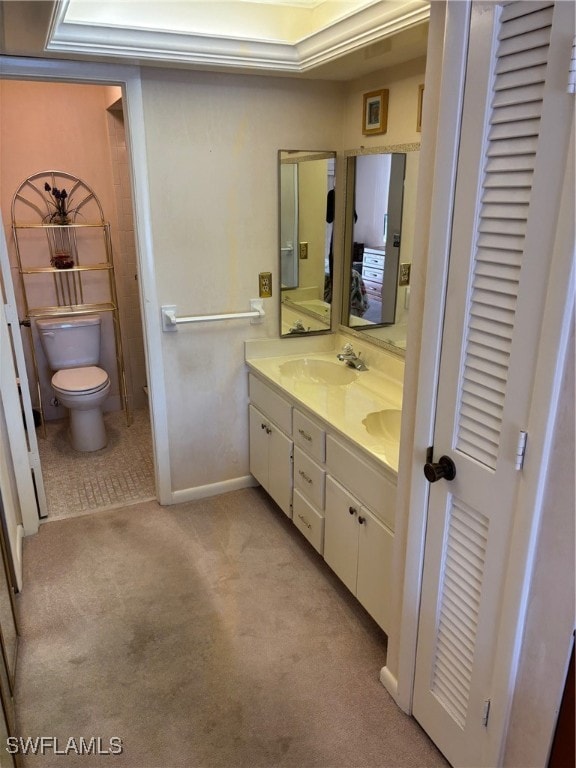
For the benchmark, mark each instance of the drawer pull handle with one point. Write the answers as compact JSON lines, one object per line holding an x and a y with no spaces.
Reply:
{"x":361,"y":520}
{"x":305,"y":435}
{"x":304,"y":476}
{"x":306,"y":523}
{"x":353,"y":510}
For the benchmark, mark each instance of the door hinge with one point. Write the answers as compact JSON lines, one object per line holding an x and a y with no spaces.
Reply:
{"x":485,"y":712}
{"x":520,"y":449}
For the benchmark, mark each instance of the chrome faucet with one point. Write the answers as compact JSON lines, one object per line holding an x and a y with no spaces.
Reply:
{"x":298,"y":327}
{"x":351,"y":359}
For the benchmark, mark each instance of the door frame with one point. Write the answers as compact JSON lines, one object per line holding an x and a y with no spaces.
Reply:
{"x":422,"y":368}
{"x":442,"y":107}
{"x":129,"y":79}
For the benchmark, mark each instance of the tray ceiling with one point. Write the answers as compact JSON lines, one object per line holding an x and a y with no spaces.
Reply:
{"x":325,"y":39}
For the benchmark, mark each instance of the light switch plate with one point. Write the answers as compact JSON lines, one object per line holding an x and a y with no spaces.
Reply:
{"x":303,"y":250}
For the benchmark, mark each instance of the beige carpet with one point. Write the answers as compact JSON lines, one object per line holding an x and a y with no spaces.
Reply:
{"x":207,"y":634}
{"x":121,"y":473}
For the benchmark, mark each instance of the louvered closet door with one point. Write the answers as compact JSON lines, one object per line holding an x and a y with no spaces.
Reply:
{"x":509,"y":172}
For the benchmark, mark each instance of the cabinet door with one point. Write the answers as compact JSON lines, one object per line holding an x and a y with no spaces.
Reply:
{"x":280,"y":469}
{"x":341,"y":532}
{"x":258,"y":446}
{"x":373,"y":583}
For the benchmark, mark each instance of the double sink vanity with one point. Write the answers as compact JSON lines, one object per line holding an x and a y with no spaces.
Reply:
{"x":325,"y":419}
{"x":324,"y":442}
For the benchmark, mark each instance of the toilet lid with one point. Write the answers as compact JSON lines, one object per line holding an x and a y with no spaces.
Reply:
{"x":80,"y":379}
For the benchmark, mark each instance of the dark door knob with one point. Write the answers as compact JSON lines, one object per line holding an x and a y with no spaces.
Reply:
{"x":445,"y":468}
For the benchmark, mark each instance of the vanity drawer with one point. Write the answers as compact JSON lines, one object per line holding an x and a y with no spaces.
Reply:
{"x":373,"y":288}
{"x":308,"y":521}
{"x":369,"y":273}
{"x":271,"y":404}
{"x":366,"y":482}
{"x":309,"y":478}
{"x":373,"y":260}
{"x":309,"y":436}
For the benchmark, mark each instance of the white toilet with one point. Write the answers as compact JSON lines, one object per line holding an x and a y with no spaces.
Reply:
{"x":72,"y":347}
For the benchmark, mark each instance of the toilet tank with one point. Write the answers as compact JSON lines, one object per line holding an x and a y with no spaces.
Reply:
{"x":70,"y":342}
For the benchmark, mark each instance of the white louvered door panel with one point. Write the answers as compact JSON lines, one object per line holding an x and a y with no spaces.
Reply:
{"x":510,"y":169}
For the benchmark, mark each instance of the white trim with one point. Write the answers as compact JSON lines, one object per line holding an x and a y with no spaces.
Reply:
{"x":356,"y":30}
{"x":389,"y":682}
{"x":455,"y":38}
{"x":551,"y":360}
{"x":18,"y":564}
{"x":213,"y":489}
{"x":129,"y":79}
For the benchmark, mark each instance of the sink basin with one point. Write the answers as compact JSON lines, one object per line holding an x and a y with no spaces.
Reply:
{"x":319,"y":371}
{"x":384,"y":424}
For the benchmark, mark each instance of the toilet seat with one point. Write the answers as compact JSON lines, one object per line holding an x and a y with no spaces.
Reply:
{"x":80,"y":381}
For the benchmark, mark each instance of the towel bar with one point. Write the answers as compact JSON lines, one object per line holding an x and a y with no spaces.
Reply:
{"x":170,"y":321}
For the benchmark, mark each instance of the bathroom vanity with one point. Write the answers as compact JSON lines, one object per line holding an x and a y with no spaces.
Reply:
{"x":324,"y":442}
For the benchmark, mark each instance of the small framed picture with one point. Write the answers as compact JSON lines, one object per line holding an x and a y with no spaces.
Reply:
{"x":419,"y":114}
{"x":375,"y":117}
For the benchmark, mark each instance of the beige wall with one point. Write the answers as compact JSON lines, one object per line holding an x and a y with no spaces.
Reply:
{"x":402,"y":82}
{"x":212,"y":142}
{"x":212,"y":150}
{"x":60,"y":126}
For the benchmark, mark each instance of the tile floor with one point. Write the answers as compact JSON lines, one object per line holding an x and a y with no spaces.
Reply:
{"x":119,"y":474}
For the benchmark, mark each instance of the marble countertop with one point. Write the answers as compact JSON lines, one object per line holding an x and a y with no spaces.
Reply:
{"x":343,"y":406}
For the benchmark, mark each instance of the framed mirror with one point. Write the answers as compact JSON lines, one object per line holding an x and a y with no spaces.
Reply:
{"x":306,"y":216}
{"x":379,"y":236}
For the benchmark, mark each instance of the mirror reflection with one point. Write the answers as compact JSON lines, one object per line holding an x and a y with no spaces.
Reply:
{"x":380,"y":207}
{"x":306,"y":217}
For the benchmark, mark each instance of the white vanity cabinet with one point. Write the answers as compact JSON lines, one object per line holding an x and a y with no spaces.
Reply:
{"x":271,"y":446}
{"x":359,"y":528}
{"x":309,"y":478}
{"x":340,"y":499}
{"x":358,"y":548}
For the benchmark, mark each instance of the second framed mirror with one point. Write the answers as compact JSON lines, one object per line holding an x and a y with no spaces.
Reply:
{"x":306,"y":216}
{"x":380,"y":211}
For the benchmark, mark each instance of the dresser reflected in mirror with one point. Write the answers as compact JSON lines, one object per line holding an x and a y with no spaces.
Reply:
{"x":379,"y":237}
{"x":306,"y":216}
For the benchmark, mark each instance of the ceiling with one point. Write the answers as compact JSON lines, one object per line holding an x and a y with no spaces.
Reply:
{"x":329,"y":39}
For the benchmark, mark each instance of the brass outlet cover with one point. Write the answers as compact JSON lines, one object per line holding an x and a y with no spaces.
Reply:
{"x":404,"y":274}
{"x":265,"y":285}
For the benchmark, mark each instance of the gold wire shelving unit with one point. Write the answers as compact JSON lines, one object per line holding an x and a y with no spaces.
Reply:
{"x":60,"y":244}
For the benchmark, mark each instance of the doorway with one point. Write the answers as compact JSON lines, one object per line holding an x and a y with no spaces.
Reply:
{"x":79,"y":128}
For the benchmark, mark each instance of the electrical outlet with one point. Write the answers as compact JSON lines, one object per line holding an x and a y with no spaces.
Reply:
{"x":303,"y":250}
{"x":265,"y":285}
{"x":404,"y":278}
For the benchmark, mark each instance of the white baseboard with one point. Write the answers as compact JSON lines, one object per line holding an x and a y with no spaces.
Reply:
{"x":389,"y":682}
{"x":214,"y":489}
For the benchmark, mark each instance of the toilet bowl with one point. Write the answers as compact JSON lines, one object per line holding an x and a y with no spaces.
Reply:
{"x":72,"y":347}
{"x":83,"y":391}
